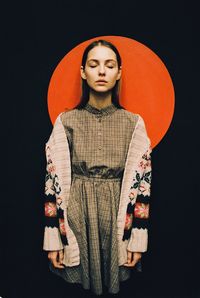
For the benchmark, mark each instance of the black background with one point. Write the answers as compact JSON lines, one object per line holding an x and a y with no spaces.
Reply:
{"x":36,"y":37}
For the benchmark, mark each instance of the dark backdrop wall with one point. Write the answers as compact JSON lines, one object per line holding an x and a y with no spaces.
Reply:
{"x":37,"y":36}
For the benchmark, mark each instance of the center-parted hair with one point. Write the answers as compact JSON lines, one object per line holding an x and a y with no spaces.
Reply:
{"x":85,"y":87}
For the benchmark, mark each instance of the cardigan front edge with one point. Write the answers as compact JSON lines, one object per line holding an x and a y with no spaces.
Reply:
{"x":58,"y":153}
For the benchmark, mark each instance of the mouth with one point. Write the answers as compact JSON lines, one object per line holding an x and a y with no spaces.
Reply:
{"x":101,"y":82}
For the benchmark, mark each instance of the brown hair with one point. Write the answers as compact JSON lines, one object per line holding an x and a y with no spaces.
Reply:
{"x":85,"y":88}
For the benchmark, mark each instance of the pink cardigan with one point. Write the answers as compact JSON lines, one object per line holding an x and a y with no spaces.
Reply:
{"x":133,"y":213}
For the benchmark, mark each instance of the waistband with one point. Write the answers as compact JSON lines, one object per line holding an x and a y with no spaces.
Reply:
{"x":95,"y":178}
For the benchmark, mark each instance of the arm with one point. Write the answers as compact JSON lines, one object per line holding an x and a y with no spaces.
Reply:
{"x":54,"y":234}
{"x":136,"y":229}
{"x":137,"y":217}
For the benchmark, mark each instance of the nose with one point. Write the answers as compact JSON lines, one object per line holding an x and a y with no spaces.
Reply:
{"x":101,"y":69}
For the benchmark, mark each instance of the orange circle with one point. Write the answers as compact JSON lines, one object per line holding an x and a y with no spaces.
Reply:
{"x":146,"y":86}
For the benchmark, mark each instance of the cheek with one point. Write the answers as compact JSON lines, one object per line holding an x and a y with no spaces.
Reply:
{"x":113,"y":78}
{"x":90,"y":75}
{"x":113,"y":75}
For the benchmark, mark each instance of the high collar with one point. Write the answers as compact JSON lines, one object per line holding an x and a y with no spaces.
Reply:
{"x":101,"y":112}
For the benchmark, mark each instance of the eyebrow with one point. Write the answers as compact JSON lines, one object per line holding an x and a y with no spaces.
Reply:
{"x":108,"y":60}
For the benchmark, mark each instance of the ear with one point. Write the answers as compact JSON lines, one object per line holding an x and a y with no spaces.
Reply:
{"x":119,"y":73}
{"x":83,"y":76}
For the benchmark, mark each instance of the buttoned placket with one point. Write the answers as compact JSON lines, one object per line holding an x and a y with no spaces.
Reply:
{"x":99,"y":135}
{"x":100,"y":115}
{"x":99,"y":140}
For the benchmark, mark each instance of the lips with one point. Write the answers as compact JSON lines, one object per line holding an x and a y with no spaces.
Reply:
{"x":101,"y":81}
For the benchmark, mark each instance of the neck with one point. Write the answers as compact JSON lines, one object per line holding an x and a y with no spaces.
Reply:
{"x":100,"y":100}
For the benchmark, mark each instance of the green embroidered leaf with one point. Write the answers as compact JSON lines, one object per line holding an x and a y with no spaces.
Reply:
{"x":135,"y":185}
{"x":138,"y":177}
{"x":148,"y":173}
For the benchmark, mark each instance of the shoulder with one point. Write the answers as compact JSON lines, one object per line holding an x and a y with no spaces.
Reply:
{"x":131,"y":117}
{"x":140,"y":124}
{"x":134,"y":117}
{"x":66,"y":116}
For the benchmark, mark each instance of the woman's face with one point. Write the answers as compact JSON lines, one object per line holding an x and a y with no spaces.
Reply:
{"x":101,"y":69}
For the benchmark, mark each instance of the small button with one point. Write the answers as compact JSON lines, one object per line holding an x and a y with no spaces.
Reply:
{"x":99,"y":147}
{"x":99,"y":133}
{"x":99,"y":119}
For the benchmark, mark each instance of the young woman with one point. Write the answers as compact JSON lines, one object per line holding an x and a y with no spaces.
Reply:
{"x":98,"y":181}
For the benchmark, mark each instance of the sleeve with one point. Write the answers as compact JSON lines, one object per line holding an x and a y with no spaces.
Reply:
{"x":53,"y":221}
{"x":137,"y":217}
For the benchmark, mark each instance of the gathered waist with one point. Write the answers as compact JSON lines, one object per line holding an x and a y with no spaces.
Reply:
{"x":81,"y":170}
{"x":84,"y":177}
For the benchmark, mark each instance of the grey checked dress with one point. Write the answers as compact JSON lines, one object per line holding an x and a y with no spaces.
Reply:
{"x":98,"y":141}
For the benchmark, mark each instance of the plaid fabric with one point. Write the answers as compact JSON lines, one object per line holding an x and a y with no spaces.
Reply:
{"x":99,"y":141}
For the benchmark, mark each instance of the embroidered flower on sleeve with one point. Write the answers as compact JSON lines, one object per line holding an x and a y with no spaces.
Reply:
{"x":51,"y":168}
{"x":128,"y":222}
{"x":148,"y":163}
{"x":144,"y":186}
{"x":142,"y":164}
{"x":62,"y":226}
{"x":147,"y":154}
{"x":141,"y":210}
{"x":131,"y":195}
{"x":59,"y":201}
{"x":50,"y":209}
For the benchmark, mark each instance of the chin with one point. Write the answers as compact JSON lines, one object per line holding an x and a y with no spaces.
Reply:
{"x":101,"y":89}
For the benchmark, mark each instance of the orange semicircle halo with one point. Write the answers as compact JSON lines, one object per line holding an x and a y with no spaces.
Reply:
{"x":146,"y":86}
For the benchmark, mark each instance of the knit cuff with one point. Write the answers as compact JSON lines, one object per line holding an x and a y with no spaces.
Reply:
{"x":52,"y":239}
{"x":138,"y":241}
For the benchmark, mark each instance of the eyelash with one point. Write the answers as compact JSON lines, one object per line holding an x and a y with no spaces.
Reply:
{"x":96,"y":65}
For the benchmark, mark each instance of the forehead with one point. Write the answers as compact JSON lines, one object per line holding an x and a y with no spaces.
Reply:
{"x":101,"y":53}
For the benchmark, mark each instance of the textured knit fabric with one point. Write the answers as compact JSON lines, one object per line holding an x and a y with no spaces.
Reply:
{"x":99,"y":141}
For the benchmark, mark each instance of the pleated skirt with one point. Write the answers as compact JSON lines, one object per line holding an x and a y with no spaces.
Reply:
{"x":92,"y":216}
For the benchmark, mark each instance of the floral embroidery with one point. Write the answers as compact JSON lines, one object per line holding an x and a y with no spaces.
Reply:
{"x":56,"y":184}
{"x":49,"y":188}
{"x":50,"y":209}
{"x":132,"y":195}
{"x":62,"y":226}
{"x":51,"y":169}
{"x":144,"y":187}
{"x":138,"y":213}
{"x":59,"y":200}
{"x":136,"y":181}
{"x":129,"y":220}
{"x":141,"y":210}
{"x":142,"y":164}
{"x":147,"y":177}
{"x":146,"y":160}
{"x":53,"y":201}
{"x":148,"y":164}
{"x":147,"y":154}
